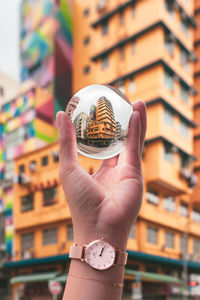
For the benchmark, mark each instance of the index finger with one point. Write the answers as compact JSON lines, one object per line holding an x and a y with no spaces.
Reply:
{"x":140,"y":106}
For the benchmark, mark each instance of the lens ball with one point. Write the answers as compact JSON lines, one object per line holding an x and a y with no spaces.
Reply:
{"x":100,"y":115}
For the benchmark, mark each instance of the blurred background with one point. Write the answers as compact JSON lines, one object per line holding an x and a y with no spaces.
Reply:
{"x":148,"y":49}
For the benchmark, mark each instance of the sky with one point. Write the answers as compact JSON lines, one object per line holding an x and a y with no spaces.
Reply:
{"x":9,"y":38}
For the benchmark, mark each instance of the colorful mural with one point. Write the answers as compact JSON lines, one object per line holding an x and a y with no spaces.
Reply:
{"x":46,"y":46}
{"x":25,"y":124}
{"x":46,"y":58}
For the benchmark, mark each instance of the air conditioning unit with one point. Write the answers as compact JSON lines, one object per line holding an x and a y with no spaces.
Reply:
{"x":185,"y":256}
{"x":193,"y":57}
{"x":24,"y":179}
{"x":193,"y":180}
{"x":101,"y":5}
{"x":172,"y":37}
{"x":27,"y":254}
{"x":194,"y":257}
{"x":55,"y":154}
{"x":32,"y":166}
{"x":174,"y":149}
{"x":185,"y":173}
{"x":3,"y":247}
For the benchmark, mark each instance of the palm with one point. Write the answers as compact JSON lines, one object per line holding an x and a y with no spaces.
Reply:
{"x":111,"y":198}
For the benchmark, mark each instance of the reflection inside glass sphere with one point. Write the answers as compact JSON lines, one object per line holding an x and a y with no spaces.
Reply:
{"x":100,"y":114}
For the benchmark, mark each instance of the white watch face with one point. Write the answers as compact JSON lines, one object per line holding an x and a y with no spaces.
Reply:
{"x":100,"y":255}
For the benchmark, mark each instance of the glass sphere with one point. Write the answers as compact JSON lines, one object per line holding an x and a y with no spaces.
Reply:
{"x":100,"y":115}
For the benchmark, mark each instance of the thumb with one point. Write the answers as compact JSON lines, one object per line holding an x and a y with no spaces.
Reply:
{"x":67,"y":143}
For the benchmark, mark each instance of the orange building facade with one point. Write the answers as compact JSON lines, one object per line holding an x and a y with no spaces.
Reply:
{"x":146,"y":50}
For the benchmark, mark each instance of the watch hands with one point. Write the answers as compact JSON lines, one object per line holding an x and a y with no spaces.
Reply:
{"x":102,"y":251}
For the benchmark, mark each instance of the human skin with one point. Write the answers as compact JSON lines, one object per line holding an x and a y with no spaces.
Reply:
{"x":102,"y":205}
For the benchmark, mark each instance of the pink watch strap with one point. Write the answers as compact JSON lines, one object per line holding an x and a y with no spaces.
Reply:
{"x":77,"y":252}
{"x":121,"y":258}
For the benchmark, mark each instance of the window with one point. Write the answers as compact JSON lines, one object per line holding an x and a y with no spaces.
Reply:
{"x":183,"y":244}
{"x":105,"y":62}
{"x":183,"y":57}
{"x":21,"y":169}
{"x":56,"y":158}
{"x":195,"y":215}
{"x":45,"y":161}
{"x":50,"y":236}
{"x":152,"y":235}
{"x":169,"y":80}
{"x":16,"y":137}
{"x":184,"y":93}
{"x":86,"y":41}
{"x":120,"y":87}
{"x":133,"y":46}
{"x":132,"y":85}
{"x":184,"y":25}
{"x":105,"y":28}
{"x":50,"y":196}
{"x":169,"y":42}
{"x":196,"y":247}
{"x":133,"y":10}
{"x":169,"y":203}
{"x":183,"y":209}
{"x":86,"y":12}
{"x":168,"y":117}
{"x":121,"y":17}
{"x":152,"y":196}
{"x":27,"y":203}
{"x":169,"y":7}
{"x":132,"y":232}
{"x":184,"y":129}
{"x":70,"y":233}
{"x":121,"y":52}
{"x":168,"y":154}
{"x":9,"y":168}
{"x":169,"y":239}
{"x":27,"y":241}
{"x":184,"y":160}
{"x":86,"y":70}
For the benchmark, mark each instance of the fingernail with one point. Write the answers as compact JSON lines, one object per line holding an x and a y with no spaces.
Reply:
{"x":58,"y":117}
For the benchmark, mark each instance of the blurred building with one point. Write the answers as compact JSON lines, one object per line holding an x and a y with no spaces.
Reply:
{"x":46,"y":46}
{"x":6,"y":92}
{"x":42,"y":222}
{"x":146,"y":50}
{"x":196,"y":194}
{"x":26,"y":123}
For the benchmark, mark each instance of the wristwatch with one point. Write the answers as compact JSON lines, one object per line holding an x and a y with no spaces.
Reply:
{"x":99,"y":254}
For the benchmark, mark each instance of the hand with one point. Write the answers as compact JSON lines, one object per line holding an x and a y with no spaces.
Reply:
{"x":107,"y":203}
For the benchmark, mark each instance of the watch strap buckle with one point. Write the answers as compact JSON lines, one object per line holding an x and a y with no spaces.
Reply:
{"x":77,"y":252}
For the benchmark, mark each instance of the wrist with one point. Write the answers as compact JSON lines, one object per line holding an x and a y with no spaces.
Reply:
{"x":117,"y":240}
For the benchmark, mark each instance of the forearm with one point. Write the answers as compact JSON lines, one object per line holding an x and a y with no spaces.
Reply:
{"x":86,"y":283}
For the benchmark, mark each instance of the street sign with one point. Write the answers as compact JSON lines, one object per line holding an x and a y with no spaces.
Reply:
{"x":55,"y":287}
{"x":137,"y":290}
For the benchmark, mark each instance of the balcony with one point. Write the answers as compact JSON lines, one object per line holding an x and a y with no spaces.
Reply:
{"x":162,"y":171}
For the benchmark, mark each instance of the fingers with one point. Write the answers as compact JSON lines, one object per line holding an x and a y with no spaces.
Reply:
{"x":141,"y":108}
{"x":133,"y":147}
{"x":67,"y":141}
